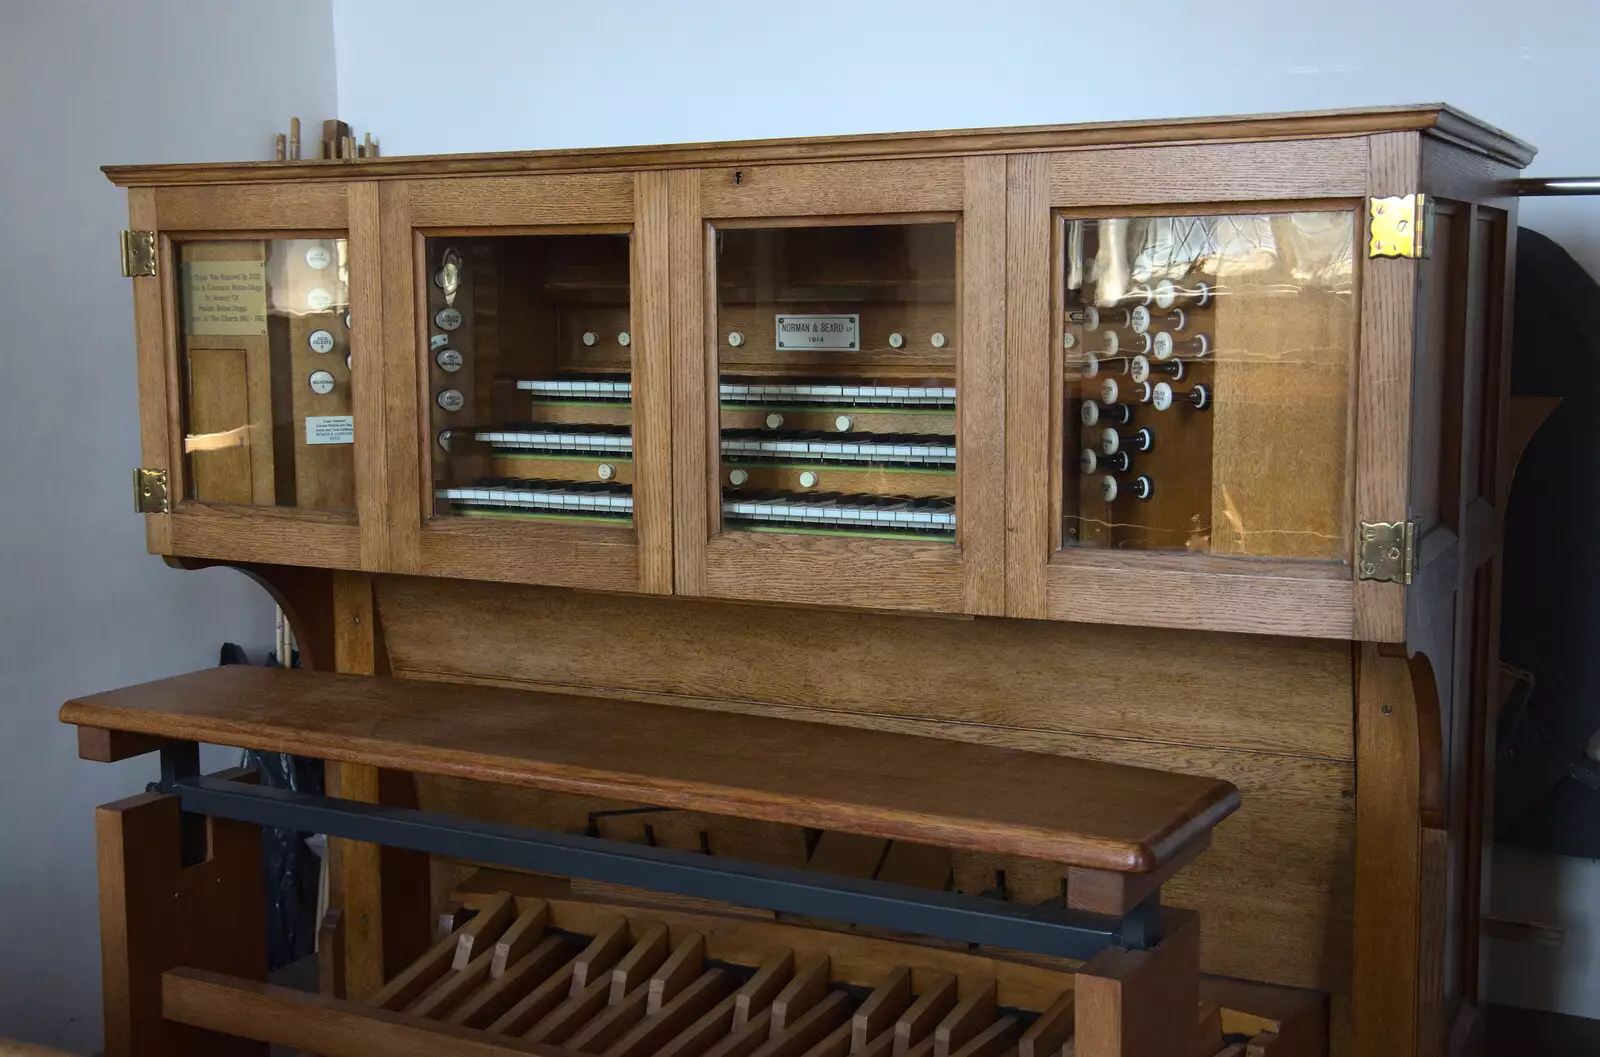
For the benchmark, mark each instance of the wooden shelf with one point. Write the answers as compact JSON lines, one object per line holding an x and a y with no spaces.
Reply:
{"x":979,"y":798}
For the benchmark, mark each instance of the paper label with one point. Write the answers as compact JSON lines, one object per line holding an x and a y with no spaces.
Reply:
{"x":224,"y":297}
{"x":330,"y":429}
{"x":836,"y":333}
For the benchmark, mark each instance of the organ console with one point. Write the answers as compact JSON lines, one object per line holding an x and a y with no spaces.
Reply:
{"x":716,"y":536}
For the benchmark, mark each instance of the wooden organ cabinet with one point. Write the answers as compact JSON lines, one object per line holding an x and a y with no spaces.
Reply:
{"x":743,"y":536}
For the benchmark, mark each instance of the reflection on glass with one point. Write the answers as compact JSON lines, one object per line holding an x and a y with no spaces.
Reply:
{"x":837,"y":349}
{"x":1207,"y":372}
{"x":264,"y":348}
{"x":529,"y":365}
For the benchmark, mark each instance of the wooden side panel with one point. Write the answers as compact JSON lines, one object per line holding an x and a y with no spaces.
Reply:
{"x":149,"y":335}
{"x":652,"y":378}
{"x":1030,"y":435}
{"x":157,"y":913}
{"x":262,"y":207}
{"x":1387,"y":862}
{"x":381,"y":893}
{"x":693,"y":425}
{"x":585,"y":198}
{"x":981,"y":385}
{"x":1271,"y":715}
{"x":1233,"y":172}
{"x":836,"y":189}
{"x":405,"y":428}
{"x":367,"y":374}
{"x":1383,"y":384}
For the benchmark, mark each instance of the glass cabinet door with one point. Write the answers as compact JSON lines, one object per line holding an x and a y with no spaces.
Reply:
{"x":265,"y":367}
{"x":537,"y":341}
{"x":1207,"y":375}
{"x":253,"y":363}
{"x":529,"y":363}
{"x":836,"y":380}
{"x":851,"y":381}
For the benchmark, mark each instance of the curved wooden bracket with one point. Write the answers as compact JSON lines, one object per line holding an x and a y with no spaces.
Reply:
{"x":305,"y":595}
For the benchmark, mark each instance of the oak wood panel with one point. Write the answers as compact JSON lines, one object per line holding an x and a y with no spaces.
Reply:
{"x":367,"y":369}
{"x":112,"y":746}
{"x":1140,"y":1003}
{"x":405,"y":435}
{"x":1311,"y":168}
{"x":1383,"y":385}
{"x":1029,"y":503}
{"x":694,"y":432}
{"x":1388,"y":855}
{"x":1269,"y":706}
{"x":1184,"y":591}
{"x":820,"y":775}
{"x":266,"y":534}
{"x":981,"y":385}
{"x":1260,"y":694}
{"x":598,"y":557}
{"x":838,"y":189}
{"x":150,"y":346}
{"x":842,"y":570}
{"x":266,"y":207}
{"x":1452,"y":171}
{"x":652,"y":376}
{"x":315,"y":1023}
{"x":1440,"y":120}
{"x":156,"y":913}
{"x":597,"y":198}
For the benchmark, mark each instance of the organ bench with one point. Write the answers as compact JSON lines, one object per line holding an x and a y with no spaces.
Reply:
{"x":1118,"y":832}
{"x":872,"y":504}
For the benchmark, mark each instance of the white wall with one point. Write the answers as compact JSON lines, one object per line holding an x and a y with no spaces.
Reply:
{"x":82,"y":607}
{"x":511,"y":74}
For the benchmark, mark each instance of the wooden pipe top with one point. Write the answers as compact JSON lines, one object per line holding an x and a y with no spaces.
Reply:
{"x":974,"y":797}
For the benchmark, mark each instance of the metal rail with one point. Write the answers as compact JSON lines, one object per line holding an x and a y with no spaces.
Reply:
{"x":946,"y":915}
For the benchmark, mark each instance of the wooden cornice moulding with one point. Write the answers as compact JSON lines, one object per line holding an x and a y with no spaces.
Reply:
{"x":1434,"y":118}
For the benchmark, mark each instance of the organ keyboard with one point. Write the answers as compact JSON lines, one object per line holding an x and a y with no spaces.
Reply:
{"x":895,"y":449}
{"x":930,"y":515}
{"x":596,"y":499}
{"x":752,"y":393}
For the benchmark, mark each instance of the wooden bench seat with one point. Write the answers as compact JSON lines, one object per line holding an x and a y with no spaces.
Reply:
{"x":1080,"y":813}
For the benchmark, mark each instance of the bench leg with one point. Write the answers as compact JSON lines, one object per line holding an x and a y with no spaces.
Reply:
{"x":1142,"y":1003}
{"x":156,"y":913}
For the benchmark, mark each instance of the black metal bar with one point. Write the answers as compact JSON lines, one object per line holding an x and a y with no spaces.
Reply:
{"x":1550,"y":186}
{"x":1141,"y":926}
{"x":946,"y":915}
{"x":180,"y":762}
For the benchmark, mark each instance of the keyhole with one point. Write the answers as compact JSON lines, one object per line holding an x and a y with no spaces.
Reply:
{"x":738,"y":177}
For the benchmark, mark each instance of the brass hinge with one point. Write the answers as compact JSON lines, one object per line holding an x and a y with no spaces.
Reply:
{"x":1401,"y":226}
{"x":1387,"y":551}
{"x":138,"y":253}
{"x":150,"y":491}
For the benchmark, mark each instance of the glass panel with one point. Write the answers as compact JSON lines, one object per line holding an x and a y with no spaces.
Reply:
{"x":837,"y":352}
{"x":529,"y":368}
{"x":264,"y":348}
{"x":1208,"y":383}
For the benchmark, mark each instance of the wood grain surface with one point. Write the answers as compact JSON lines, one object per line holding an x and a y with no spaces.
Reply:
{"x":1437,"y":118}
{"x":1099,"y":815}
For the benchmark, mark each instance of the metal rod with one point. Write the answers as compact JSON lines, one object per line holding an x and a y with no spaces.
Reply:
{"x":1544,"y":187}
{"x":946,"y":915}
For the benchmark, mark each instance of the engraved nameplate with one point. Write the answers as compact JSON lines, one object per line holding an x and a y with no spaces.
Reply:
{"x":834,"y":333}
